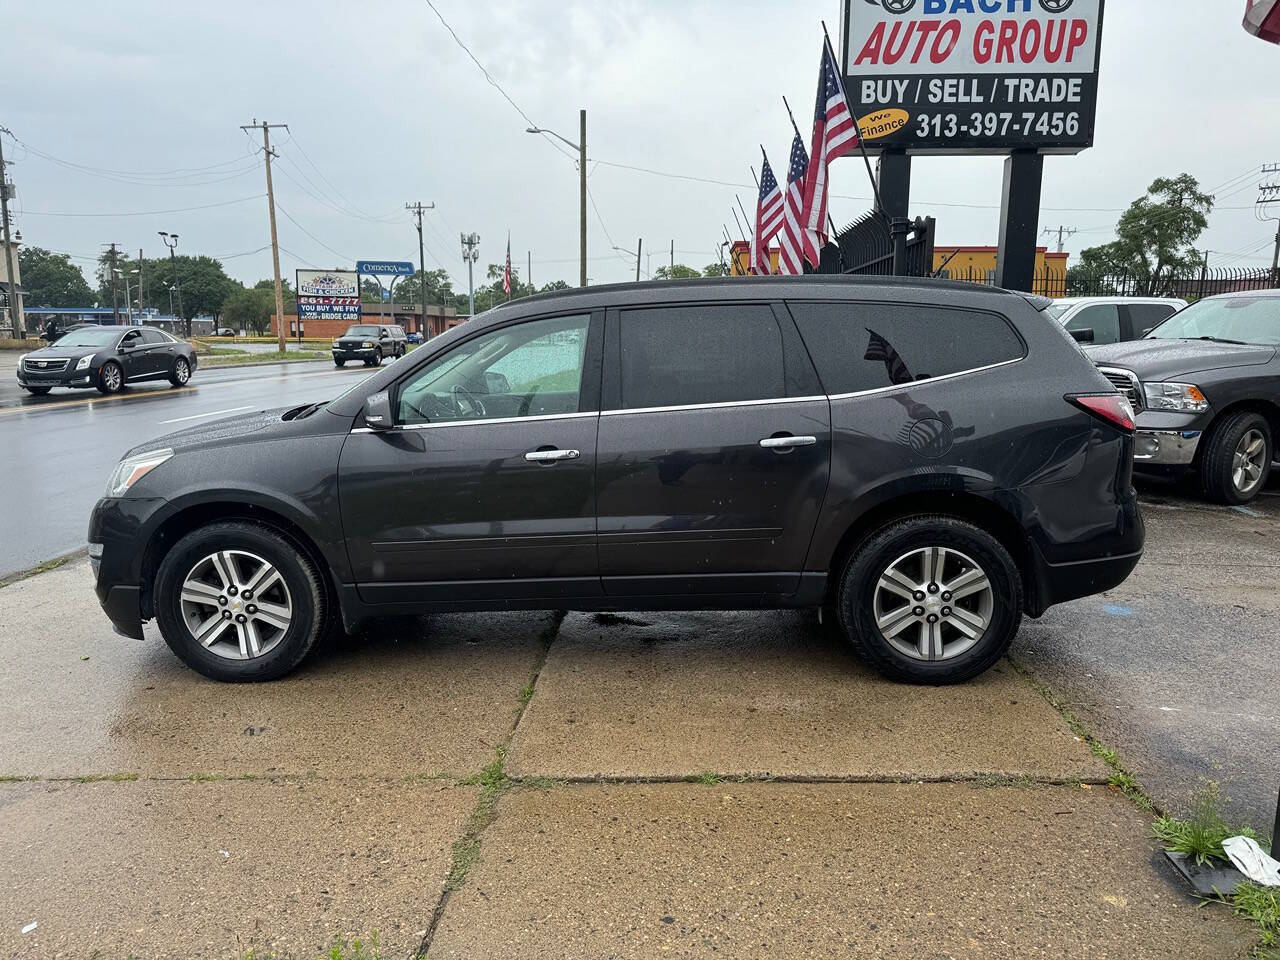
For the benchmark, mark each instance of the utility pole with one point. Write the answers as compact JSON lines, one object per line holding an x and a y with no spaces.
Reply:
{"x":528,"y":276}
{"x":173,"y":264}
{"x":14,"y":297}
{"x":139,"y":281}
{"x":417,"y":210}
{"x":639,"y":246}
{"x":1270,"y":193}
{"x":1063,"y":233}
{"x":673,"y":254}
{"x":267,"y":154}
{"x":115,"y":297}
{"x":470,"y":254}
{"x":582,"y":192}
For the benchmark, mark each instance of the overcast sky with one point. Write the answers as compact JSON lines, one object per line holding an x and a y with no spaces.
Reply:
{"x":384,"y":108}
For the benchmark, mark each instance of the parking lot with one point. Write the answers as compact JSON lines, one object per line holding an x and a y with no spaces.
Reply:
{"x":685,"y":784}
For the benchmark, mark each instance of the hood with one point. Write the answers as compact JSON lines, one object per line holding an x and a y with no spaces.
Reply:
{"x":264,"y":424}
{"x":1167,"y":359}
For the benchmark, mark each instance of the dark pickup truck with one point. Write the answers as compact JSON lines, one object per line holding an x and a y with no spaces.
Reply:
{"x":1206,"y":388}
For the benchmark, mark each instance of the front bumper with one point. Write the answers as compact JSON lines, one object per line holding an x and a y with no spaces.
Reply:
{"x":353,"y":353}
{"x":1165,"y":448}
{"x":55,"y":378}
{"x":118,"y":533}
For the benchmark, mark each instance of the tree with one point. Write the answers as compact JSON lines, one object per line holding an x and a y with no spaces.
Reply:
{"x":717,"y":269}
{"x":203,"y":283}
{"x":1154,"y":238}
{"x":677,"y":271}
{"x":286,"y":294}
{"x":52,"y":280}
{"x":438,"y":286}
{"x":250,"y":309}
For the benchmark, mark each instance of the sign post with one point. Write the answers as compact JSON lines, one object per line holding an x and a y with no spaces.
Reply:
{"x":387,"y":268}
{"x":974,"y":77}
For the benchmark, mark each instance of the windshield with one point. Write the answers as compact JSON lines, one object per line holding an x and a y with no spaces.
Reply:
{"x":1226,"y":319}
{"x":364,"y":330}
{"x":1054,"y":311}
{"x":88,"y":337}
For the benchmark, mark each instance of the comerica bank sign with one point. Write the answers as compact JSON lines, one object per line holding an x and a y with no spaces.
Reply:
{"x":973,"y":76}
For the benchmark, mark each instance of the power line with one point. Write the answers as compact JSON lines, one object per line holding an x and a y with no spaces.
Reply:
{"x":293,"y":220}
{"x":144,"y":213}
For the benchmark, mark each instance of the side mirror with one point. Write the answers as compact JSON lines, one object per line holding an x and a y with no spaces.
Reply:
{"x":377,"y":411}
{"x":1084,"y":335}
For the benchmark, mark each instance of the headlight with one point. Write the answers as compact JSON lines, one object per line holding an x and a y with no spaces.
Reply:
{"x":133,"y":469}
{"x":83,"y":363}
{"x":1184,"y":397}
{"x":367,"y":343}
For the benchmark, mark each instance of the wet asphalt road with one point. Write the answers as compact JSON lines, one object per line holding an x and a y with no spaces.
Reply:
{"x":57,"y":451}
{"x":1176,"y":669}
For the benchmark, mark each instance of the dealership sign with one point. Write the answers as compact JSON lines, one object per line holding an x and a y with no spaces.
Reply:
{"x":328,"y":295}
{"x":973,"y":76}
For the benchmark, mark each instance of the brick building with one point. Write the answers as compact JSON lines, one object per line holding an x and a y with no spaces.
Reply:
{"x":410,"y":316}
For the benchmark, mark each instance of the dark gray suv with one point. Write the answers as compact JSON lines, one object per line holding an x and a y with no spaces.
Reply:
{"x":924,"y":461}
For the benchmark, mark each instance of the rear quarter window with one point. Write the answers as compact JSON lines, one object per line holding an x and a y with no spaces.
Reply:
{"x":869,"y":346}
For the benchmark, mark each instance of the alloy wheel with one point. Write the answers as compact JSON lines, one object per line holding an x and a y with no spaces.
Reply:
{"x":933,"y":603}
{"x":1249,"y":461}
{"x":182,"y":371}
{"x":112,"y":377}
{"x":236,"y":604}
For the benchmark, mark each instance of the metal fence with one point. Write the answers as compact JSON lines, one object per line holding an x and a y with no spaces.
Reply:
{"x":1077,"y":282}
{"x":865,"y":248}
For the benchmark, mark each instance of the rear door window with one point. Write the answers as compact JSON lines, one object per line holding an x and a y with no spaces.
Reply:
{"x":699,"y":354}
{"x":869,"y":346}
{"x":1147,"y":316}
{"x":1102,"y":318}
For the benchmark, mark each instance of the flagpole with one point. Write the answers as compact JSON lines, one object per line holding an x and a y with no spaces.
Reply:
{"x":739,"y":223}
{"x":862,"y":147}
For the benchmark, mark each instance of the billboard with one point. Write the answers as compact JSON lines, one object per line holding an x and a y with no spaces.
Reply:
{"x":973,"y":76}
{"x":328,"y":295}
{"x":385,"y":268}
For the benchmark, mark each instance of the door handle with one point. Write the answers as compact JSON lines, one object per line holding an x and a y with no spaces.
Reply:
{"x":551,"y":456}
{"x":787,"y":443}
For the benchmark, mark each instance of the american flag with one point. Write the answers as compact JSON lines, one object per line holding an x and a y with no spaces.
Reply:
{"x":506,"y":273}
{"x":835,"y":134}
{"x":790,"y":245}
{"x":768,"y":219}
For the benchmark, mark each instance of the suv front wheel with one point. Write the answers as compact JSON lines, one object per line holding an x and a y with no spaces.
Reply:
{"x":238,"y":602}
{"x":931,"y":600}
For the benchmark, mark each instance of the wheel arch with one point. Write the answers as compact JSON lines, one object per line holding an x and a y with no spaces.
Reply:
{"x":1268,"y":409}
{"x":970,"y":507}
{"x":193,"y":516}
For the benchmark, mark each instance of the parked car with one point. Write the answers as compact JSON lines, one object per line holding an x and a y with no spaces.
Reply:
{"x":108,"y":358}
{"x":370,"y":342}
{"x":415,"y":337}
{"x":1112,"y":319}
{"x":1206,"y":388}
{"x":224,"y":332}
{"x":925,"y":461}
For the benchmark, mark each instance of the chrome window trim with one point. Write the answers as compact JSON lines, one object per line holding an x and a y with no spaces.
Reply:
{"x":711,"y":406}
{"x":926,"y":380}
{"x":478,"y":422}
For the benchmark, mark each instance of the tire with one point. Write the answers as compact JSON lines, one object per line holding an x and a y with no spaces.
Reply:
{"x":299,"y":592}
{"x":110,"y":377}
{"x":180,"y":373}
{"x":1221,"y":466}
{"x":339,"y":363}
{"x":377,"y":357}
{"x":38,"y":391}
{"x":942,"y":652}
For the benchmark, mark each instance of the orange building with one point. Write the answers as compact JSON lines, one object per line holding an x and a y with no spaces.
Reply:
{"x":978,"y":265}
{"x":740,"y":259}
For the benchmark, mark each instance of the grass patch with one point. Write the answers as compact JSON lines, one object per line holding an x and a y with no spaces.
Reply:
{"x":226,"y":357}
{"x":1262,"y":906}
{"x":493,"y":783}
{"x":356,"y":949}
{"x":15,"y":778}
{"x":106,"y":778}
{"x":1201,"y":835}
{"x":707,"y":778}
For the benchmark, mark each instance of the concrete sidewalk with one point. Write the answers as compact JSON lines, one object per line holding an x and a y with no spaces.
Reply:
{"x":511,"y":785}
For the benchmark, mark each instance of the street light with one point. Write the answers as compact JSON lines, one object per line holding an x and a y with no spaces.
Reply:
{"x":171,"y":313}
{"x":173,"y":262}
{"x":581,"y":147}
{"x":128,"y":303}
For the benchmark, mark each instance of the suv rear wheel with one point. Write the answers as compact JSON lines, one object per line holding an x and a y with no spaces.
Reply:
{"x":1237,"y":458}
{"x":931,"y":599}
{"x":238,"y":602}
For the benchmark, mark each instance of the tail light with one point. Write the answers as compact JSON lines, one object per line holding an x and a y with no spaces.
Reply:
{"x":1114,"y":408}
